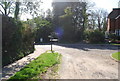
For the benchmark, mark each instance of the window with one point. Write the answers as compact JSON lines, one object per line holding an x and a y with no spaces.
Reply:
{"x":117,"y":32}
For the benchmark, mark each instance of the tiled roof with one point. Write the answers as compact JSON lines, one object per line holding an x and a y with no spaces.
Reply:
{"x":115,"y":13}
{"x":117,"y":17}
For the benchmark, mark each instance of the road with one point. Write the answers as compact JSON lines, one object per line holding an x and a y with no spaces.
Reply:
{"x":79,"y":61}
{"x":82,"y":61}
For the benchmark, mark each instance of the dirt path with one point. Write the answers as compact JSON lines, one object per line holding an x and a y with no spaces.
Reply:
{"x":86,"y":61}
{"x":78,"y":61}
{"x":11,"y":69}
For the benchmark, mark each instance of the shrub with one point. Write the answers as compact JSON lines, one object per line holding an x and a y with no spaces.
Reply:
{"x":15,"y":43}
{"x":95,"y":36}
{"x":113,"y":37}
{"x":44,"y":28}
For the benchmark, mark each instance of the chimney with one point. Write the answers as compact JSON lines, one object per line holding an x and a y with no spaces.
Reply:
{"x":119,"y":4}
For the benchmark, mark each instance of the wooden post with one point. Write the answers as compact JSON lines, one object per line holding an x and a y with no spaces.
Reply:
{"x":51,"y":47}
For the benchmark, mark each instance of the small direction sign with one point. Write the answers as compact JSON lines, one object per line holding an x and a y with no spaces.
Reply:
{"x":53,"y":40}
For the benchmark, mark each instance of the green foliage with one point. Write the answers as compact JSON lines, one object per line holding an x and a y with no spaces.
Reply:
{"x":38,"y":66}
{"x":17,"y":40}
{"x":66,"y":24}
{"x":28,"y":38}
{"x":73,"y":22}
{"x":94,"y":36}
{"x":43,"y":29}
{"x":113,"y":37}
{"x":68,"y":11}
{"x":116,"y":55}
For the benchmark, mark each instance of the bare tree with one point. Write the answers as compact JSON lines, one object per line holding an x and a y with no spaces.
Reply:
{"x":49,"y":15}
{"x":91,"y":20}
{"x":97,"y":19}
{"x":5,"y":7}
{"x":16,"y":8}
{"x":32,"y":8}
{"x":101,"y":15}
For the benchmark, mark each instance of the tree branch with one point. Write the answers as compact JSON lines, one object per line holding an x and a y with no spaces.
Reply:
{"x":1,"y":12}
{"x":8,"y":12}
{"x":1,"y":5}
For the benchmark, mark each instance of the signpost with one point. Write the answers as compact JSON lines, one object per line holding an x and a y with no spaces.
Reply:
{"x":52,"y":40}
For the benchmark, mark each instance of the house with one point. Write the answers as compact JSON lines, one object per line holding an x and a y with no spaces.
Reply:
{"x":114,"y":22}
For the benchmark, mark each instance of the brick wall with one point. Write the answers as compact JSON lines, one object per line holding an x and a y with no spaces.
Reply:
{"x":117,"y":23}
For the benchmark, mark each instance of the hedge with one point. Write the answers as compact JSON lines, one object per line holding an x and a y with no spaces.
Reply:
{"x":17,"y":40}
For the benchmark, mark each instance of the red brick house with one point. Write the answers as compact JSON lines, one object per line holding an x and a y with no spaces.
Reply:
{"x":114,"y":22}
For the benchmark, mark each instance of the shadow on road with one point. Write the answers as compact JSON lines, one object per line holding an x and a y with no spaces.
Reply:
{"x":87,"y":47}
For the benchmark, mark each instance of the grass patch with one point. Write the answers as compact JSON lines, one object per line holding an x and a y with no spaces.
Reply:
{"x":116,"y":56}
{"x":37,"y":66}
{"x":115,"y":44}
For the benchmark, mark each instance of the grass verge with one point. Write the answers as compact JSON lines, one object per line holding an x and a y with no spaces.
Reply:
{"x":37,"y":66}
{"x":116,"y":56}
{"x":115,"y":44}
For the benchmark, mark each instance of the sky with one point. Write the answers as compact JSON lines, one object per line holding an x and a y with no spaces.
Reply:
{"x":105,"y":4}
